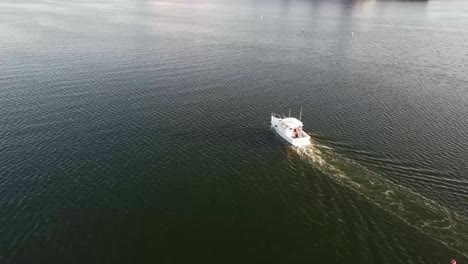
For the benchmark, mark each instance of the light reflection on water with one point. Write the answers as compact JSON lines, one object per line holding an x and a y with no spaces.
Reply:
{"x":142,"y":127}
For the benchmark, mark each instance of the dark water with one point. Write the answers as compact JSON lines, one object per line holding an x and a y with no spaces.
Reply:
{"x":138,"y":131}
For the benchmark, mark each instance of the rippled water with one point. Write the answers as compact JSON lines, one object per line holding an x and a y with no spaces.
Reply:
{"x":138,"y":131}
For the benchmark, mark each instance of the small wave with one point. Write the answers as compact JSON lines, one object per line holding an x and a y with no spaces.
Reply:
{"x":428,"y":216}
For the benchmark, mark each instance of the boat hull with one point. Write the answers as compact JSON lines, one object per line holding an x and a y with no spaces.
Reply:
{"x":304,"y":140}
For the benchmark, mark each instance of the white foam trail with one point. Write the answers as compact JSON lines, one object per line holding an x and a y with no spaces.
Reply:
{"x":427,"y":216}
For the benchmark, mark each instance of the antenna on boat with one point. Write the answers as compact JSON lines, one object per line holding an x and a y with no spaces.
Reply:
{"x":300,"y":114}
{"x":289,"y":112}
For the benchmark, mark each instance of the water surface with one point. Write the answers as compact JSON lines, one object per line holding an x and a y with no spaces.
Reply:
{"x":138,"y":131}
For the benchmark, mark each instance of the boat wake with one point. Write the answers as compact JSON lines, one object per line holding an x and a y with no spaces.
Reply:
{"x":428,"y":216}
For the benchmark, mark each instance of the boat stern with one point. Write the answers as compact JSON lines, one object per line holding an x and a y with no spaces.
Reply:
{"x":300,"y":142}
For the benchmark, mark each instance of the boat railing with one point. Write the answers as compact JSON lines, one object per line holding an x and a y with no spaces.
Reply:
{"x":276,"y":115}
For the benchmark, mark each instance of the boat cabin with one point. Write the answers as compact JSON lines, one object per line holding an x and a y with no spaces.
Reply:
{"x":292,"y":127}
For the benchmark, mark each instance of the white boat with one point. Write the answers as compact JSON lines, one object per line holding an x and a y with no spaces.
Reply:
{"x":290,"y":129}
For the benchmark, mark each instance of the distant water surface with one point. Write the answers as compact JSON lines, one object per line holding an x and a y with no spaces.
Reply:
{"x":138,"y":131}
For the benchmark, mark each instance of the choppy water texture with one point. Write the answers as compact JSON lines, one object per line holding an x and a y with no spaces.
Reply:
{"x":138,"y":131}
